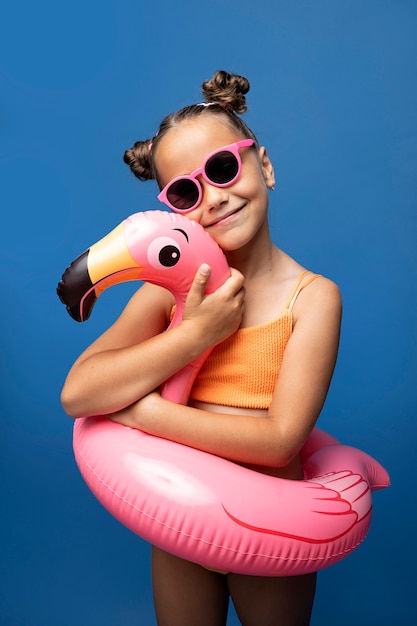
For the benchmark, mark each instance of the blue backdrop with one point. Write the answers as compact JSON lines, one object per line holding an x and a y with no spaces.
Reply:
{"x":333,"y":98}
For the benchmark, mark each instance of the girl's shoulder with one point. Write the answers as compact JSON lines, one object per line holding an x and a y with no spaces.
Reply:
{"x":149,"y":301}
{"x":145,"y":315}
{"x":317,"y":296}
{"x":303,"y":281}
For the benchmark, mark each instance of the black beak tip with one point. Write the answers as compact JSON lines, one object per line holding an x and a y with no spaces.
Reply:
{"x":74,"y":286}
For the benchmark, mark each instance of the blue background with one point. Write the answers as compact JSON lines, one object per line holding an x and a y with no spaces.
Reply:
{"x":333,"y":97}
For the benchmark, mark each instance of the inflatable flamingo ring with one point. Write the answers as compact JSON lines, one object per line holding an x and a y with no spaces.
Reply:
{"x":198,"y":506}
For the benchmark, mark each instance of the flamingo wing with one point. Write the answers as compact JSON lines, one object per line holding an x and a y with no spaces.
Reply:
{"x":315,"y":511}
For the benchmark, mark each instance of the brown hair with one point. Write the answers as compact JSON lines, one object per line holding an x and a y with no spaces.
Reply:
{"x":224,"y":96}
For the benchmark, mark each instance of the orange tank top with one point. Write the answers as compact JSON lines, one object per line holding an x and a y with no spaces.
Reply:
{"x":242,"y":370}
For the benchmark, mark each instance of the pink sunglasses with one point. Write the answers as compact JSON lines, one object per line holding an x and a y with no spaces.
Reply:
{"x":220,"y":168}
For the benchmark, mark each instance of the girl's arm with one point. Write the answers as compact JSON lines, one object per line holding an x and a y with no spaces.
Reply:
{"x":134,"y":356}
{"x":301,"y":389}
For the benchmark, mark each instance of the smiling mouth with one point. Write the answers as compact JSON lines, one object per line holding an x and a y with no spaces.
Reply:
{"x":224,"y":217}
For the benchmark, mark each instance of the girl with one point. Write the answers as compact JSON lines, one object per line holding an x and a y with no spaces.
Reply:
{"x":275,"y":328}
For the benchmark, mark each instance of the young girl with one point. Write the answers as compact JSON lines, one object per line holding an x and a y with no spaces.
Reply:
{"x":275,"y":328}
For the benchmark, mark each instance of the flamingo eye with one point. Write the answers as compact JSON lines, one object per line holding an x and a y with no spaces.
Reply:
{"x":164,"y":253}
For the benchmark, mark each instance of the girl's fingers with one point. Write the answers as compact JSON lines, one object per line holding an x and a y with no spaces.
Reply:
{"x":198,"y":287}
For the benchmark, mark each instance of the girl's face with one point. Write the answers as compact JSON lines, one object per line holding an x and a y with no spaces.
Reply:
{"x":231,"y":215}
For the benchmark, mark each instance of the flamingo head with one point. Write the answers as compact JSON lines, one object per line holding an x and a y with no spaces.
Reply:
{"x":162,"y":248}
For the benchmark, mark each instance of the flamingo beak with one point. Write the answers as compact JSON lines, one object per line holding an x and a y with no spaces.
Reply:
{"x":106,"y":263}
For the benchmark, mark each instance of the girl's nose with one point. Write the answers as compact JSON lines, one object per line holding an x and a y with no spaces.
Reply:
{"x":213,"y":197}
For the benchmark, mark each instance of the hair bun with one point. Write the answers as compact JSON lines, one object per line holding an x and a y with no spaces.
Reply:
{"x":139,"y":160}
{"x":228,"y":90}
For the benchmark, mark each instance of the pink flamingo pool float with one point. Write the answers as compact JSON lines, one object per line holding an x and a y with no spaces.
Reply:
{"x":196,"y":505}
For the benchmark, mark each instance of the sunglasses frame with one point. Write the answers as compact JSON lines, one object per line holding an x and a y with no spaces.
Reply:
{"x":233,"y":148}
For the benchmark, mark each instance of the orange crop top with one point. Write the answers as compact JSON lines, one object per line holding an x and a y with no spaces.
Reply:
{"x":242,"y":370}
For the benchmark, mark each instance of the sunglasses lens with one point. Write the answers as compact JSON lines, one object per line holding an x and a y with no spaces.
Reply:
{"x":183,"y":194}
{"x":222,"y":168}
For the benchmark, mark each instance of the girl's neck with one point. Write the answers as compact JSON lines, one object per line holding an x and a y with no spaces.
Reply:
{"x":258,"y":258}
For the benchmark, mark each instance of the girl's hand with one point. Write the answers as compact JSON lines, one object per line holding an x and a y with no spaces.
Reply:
{"x":217,"y":315}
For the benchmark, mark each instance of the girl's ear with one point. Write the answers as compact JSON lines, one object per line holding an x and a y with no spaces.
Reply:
{"x":267,"y":168}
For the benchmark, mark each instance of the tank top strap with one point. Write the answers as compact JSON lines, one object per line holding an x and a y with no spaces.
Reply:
{"x":299,"y":286}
